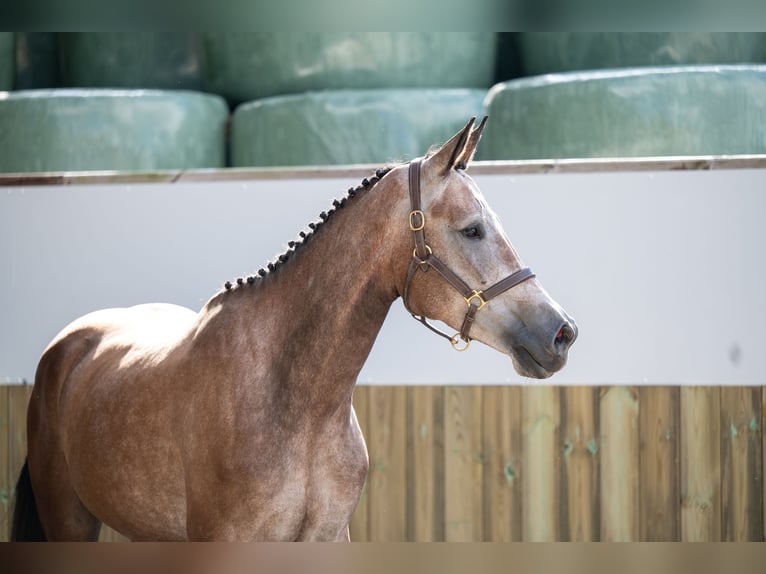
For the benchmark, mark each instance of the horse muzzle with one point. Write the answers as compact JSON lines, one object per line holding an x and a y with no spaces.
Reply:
{"x":540,"y":354}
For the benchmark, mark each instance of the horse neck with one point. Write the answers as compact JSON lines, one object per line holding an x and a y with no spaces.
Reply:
{"x":310,"y":324}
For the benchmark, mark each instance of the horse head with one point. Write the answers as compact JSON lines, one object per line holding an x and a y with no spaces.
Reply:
{"x":466,"y":273}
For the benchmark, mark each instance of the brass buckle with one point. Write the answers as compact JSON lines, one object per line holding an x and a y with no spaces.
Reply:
{"x":422,"y":216}
{"x":475,"y":295}
{"x":455,"y":342}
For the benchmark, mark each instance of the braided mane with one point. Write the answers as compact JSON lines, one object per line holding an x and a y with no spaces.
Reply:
{"x":305,"y":236}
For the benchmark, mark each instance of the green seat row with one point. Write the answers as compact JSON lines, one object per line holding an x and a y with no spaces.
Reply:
{"x":247,"y":66}
{"x":348,"y":126}
{"x":707,"y":110}
{"x":252,"y":65}
{"x":554,"y":52}
{"x":83,"y":130}
{"x":75,"y":130}
{"x":663,"y":111}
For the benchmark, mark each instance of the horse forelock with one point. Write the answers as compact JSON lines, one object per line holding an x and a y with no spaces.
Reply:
{"x":305,"y":235}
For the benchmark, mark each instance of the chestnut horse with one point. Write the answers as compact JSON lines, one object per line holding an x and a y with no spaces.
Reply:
{"x":236,"y":423}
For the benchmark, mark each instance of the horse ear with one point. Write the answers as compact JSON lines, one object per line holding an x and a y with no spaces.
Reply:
{"x":447,"y":156}
{"x":469,"y":149}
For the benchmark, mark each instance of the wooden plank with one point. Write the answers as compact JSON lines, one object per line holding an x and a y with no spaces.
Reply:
{"x":501,"y":434}
{"x":541,"y":454}
{"x":700,"y":464}
{"x":18,"y":400}
{"x":423,"y":453}
{"x":741,"y":465}
{"x":359,"y":526}
{"x":6,"y":483}
{"x":763,"y":453}
{"x":439,"y":462}
{"x":463,"y":461}
{"x":659,"y":519}
{"x":618,"y":417}
{"x":387,"y":440}
{"x":580,"y":504}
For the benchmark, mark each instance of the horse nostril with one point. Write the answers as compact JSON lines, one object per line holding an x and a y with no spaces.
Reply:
{"x":565,"y":337}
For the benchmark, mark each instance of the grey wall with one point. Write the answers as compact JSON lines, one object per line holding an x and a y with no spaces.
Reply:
{"x":663,"y":270}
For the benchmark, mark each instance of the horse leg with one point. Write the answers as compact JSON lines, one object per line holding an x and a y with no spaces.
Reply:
{"x":62,"y":514}
{"x":344,"y":536}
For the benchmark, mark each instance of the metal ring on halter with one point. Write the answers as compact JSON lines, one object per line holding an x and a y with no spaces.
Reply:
{"x":455,"y":342}
{"x":419,"y":260}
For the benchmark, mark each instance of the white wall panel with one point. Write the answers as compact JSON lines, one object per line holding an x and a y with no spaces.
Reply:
{"x":663,"y":270}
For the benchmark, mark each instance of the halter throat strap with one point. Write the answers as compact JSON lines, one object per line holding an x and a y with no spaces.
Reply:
{"x":424,"y":259}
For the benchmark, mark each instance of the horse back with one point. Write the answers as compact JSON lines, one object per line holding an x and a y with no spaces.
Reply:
{"x":96,"y":338}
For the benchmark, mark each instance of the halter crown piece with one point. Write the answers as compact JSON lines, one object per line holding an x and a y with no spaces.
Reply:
{"x":424,"y":259}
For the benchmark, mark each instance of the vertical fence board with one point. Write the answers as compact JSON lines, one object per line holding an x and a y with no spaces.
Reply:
{"x":439,"y":461}
{"x":359,"y":526}
{"x":659,"y":519}
{"x":763,"y":456}
{"x":5,"y":476}
{"x":463,"y":461}
{"x":580,"y":505}
{"x":387,"y":478}
{"x":619,"y":464}
{"x":501,"y":420}
{"x":18,"y":399}
{"x":540,"y":463}
{"x":700,"y":464}
{"x":741,"y":465}
{"x":422,"y":457}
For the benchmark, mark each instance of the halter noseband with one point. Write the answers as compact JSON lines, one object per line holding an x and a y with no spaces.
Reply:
{"x":423,"y":258}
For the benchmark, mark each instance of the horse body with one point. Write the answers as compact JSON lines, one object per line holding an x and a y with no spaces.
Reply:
{"x":162,"y":433}
{"x":237,"y":422}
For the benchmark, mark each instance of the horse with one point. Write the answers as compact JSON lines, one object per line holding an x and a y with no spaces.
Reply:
{"x":236,"y":422}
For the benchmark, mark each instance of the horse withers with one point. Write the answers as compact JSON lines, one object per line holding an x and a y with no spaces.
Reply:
{"x":236,"y":423}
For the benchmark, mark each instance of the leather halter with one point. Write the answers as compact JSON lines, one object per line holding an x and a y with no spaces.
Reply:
{"x":423,"y":259}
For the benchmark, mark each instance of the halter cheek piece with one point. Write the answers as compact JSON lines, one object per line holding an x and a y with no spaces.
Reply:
{"x":423,"y":259}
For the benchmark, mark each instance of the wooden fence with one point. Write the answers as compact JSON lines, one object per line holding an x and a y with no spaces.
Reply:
{"x":537,"y":463}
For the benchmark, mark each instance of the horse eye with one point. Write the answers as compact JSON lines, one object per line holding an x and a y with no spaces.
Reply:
{"x":472,"y":232}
